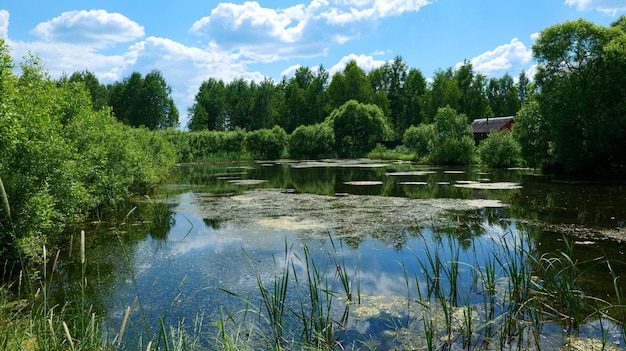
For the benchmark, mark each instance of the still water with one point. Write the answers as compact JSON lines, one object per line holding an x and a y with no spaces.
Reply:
{"x":198,"y":251}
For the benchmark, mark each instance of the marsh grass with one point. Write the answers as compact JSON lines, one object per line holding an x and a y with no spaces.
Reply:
{"x":512,"y":298}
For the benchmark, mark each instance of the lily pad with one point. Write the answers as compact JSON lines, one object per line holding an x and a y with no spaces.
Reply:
{"x":247,"y":181}
{"x":489,"y":186}
{"x":364,"y":182}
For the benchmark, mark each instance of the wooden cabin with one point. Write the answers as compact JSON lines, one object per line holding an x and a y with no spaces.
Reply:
{"x":483,"y":126}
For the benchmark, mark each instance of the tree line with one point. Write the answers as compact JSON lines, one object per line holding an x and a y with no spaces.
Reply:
{"x":307,"y":98}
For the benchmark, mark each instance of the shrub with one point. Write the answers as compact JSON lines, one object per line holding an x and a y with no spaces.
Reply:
{"x":453,"y":138}
{"x":499,"y":150}
{"x":266,"y":143}
{"x":312,"y":142}
{"x":358,"y":128}
{"x":420,"y":139}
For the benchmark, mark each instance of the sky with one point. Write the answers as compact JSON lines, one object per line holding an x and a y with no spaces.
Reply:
{"x":190,"y":41}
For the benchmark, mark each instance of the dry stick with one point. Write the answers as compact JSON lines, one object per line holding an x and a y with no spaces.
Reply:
{"x":5,"y":199}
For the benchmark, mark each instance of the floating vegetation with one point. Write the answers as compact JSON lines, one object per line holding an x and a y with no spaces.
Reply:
{"x":361,"y":163}
{"x":409,"y":173}
{"x":488,"y":186}
{"x":247,"y":181}
{"x":290,"y":223}
{"x":364,"y":182}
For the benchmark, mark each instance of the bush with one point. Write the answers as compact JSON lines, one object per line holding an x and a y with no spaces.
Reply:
{"x":312,"y":142}
{"x":60,"y":159}
{"x":358,"y":128}
{"x":265,"y":144}
{"x":420,"y":139}
{"x":499,"y":150}
{"x":453,"y":143}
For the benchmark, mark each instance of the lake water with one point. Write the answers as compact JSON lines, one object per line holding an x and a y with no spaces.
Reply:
{"x":198,"y":251}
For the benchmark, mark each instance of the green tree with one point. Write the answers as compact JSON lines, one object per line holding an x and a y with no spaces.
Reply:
{"x":139,"y":101}
{"x":582,"y":83}
{"x":97,"y":91}
{"x":472,"y":100}
{"x":420,"y":139}
{"x":312,"y":142}
{"x":351,"y":84}
{"x":503,"y":95}
{"x":532,"y":134}
{"x":209,"y":106}
{"x":453,"y":138}
{"x":265,"y":143}
{"x":499,"y":150}
{"x":358,"y":127}
{"x":443,"y":91}
{"x":414,"y":101}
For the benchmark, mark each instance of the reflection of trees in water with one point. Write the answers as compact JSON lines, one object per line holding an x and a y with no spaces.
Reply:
{"x":469,"y":225}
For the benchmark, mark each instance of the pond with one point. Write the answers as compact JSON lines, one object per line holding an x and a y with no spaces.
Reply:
{"x":359,"y":254}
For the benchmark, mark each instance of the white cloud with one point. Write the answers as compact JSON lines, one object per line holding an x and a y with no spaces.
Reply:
{"x":96,"y":28}
{"x":290,"y":71}
{"x":4,"y":23}
{"x":365,"y":62}
{"x":359,"y":10}
{"x":607,"y":6}
{"x":504,"y":58}
{"x":266,"y":35}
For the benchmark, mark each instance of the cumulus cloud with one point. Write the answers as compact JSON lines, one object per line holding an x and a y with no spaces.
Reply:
{"x":365,"y":62}
{"x":611,"y":7}
{"x":359,"y":10}
{"x":4,"y":23}
{"x":266,"y":35}
{"x":96,"y":28}
{"x":504,"y":58}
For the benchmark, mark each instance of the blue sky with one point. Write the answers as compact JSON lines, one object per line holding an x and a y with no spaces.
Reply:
{"x":190,"y":41}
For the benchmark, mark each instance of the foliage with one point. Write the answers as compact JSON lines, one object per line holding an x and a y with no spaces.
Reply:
{"x":499,"y":150}
{"x":266,"y":144}
{"x":208,"y":110}
{"x":351,"y":84}
{"x":61,"y":159}
{"x":358,"y":128}
{"x":453,"y":138}
{"x":144,"y":101}
{"x":207,"y":145}
{"x":582,"y":81}
{"x":531,"y":133}
{"x":420,"y":138}
{"x":312,"y":142}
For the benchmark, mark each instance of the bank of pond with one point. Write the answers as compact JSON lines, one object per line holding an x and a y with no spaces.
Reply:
{"x":333,"y":255}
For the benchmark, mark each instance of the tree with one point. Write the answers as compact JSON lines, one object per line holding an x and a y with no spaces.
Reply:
{"x":442,"y":92}
{"x":139,"y":101}
{"x":157,"y":106}
{"x":413,"y":100}
{"x":453,"y":142}
{"x":97,"y":91}
{"x":503,"y":96}
{"x":420,"y":138}
{"x":499,"y":150}
{"x":209,"y":106}
{"x":312,"y":142}
{"x":531,"y":133}
{"x":351,"y":84}
{"x":358,"y":127}
{"x":581,"y":78}
{"x":472,"y":99}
